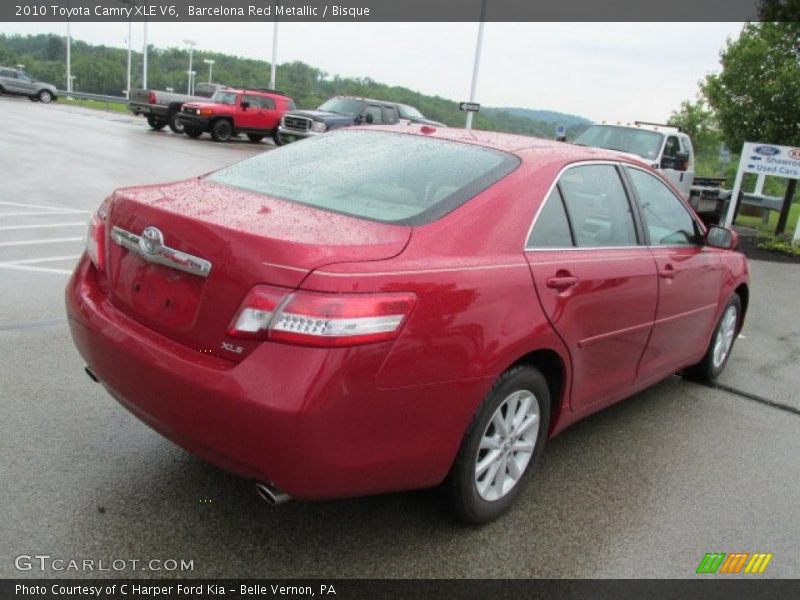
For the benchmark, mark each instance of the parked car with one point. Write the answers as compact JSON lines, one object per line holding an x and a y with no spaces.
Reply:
{"x":383,"y":309}
{"x":256,"y":113}
{"x":341,"y":111}
{"x":162,"y":108}
{"x":17,"y":82}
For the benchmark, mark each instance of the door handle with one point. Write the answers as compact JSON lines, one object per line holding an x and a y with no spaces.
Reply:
{"x":667,"y":272}
{"x":562,"y":283}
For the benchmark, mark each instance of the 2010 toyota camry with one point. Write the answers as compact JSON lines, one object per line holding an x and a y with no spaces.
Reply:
{"x":387,"y":309}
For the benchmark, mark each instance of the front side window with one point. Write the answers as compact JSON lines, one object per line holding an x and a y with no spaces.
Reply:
{"x":597,"y":206}
{"x":666,"y":219}
{"x":409,"y":112}
{"x":552,"y":227}
{"x":380,"y":176}
{"x":373,"y":114}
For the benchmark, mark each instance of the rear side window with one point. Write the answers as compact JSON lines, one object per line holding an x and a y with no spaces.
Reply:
{"x":666,"y":219}
{"x":597,"y":206}
{"x":267,"y":102}
{"x":380,"y":176}
{"x":552,"y":227}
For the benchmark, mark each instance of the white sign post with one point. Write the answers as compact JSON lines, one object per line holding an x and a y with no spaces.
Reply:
{"x":764,"y":160}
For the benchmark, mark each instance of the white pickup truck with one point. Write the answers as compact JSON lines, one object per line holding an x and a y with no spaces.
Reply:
{"x":662,"y":147}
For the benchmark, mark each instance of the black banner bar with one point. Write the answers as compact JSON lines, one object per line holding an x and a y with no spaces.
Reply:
{"x":379,"y":10}
{"x":708,"y":588}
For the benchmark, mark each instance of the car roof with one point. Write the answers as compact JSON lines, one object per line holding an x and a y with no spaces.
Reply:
{"x":509,"y":142}
{"x":665,"y":129}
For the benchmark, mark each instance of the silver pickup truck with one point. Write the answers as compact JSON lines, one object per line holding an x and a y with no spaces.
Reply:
{"x":162,"y":108}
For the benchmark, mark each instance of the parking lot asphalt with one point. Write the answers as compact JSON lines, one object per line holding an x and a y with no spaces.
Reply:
{"x":643,"y":489}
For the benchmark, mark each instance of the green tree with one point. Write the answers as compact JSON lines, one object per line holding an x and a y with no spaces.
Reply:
{"x":755,"y":96}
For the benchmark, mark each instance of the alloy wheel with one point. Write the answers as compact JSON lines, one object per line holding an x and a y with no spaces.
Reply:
{"x":507,"y":445}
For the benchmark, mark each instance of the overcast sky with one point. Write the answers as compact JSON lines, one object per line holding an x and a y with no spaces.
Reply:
{"x":603,"y":71}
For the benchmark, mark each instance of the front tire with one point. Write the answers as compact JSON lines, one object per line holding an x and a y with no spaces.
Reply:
{"x":501,"y":447}
{"x":721,"y":345}
{"x":221,"y":130}
{"x":278,"y":138}
{"x":45,"y":96}
{"x":175,"y":124}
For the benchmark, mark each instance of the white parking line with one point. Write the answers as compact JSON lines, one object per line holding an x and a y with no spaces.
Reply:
{"x":31,"y":261}
{"x":36,"y":269}
{"x":14,"y":227}
{"x":34,"y":242}
{"x":44,"y":207}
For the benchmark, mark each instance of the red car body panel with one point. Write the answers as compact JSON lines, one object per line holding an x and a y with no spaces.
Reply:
{"x":252,"y":118}
{"x":330,"y":422}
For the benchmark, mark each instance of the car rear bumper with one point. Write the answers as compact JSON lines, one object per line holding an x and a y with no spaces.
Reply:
{"x":146,"y":110}
{"x":309,"y":421}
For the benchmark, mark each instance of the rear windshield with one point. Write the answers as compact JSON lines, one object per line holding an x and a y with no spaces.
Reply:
{"x":642,"y":142}
{"x":380,"y":176}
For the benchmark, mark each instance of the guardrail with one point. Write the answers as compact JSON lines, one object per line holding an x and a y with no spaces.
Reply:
{"x":99,"y":97}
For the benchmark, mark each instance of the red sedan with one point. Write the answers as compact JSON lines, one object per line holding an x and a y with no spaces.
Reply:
{"x":385,"y":309}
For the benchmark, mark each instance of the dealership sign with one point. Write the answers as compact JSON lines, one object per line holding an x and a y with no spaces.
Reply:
{"x":765,"y":160}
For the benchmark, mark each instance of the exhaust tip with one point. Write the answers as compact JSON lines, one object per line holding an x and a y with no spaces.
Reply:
{"x":91,"y":375}
{"x":271,"y":495}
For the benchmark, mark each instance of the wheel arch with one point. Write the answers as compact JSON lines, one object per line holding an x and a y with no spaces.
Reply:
{"x":743,"y":291}
{"x":554,"y":368}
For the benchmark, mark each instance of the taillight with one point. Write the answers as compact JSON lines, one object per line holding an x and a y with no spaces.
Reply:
{"x":151,"y":98}
{"x":317,"y":319}
{"x":96,"y":242}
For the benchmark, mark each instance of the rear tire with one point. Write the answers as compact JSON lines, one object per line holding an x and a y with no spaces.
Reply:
{"x":174,"y":123}
{"x":45,"y":96}
{"x":221,"y":130}
{"x":155,"y":123}
{"x":721,"y":344}
{"x":255,"y":137}
{"x":501,"y":447}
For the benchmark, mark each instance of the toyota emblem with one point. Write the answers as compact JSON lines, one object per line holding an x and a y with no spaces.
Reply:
{"x":151,"y":241}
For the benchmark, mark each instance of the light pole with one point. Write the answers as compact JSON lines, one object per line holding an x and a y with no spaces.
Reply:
{"x":191,"y":81}
{"x":210,"y":64}
{"x":476,"y":66}
{"x":144,"y":58}
{"x":128,"y":86}
{"x":69,"y":59}
{"x":72,"y":79}
{"x":191,"y":44}
{"x":274,"y":54}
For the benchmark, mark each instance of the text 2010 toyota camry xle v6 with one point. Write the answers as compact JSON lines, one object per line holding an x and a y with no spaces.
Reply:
{"x":377,"y":310}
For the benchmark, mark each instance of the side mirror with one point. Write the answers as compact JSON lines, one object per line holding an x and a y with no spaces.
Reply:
{"x":369,"y":118}
{"x":721,"y":237}
{"x":245,"y":105}
{"x":681,"y":161}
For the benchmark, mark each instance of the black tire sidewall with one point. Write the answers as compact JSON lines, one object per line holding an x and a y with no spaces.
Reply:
{"x":467,"y":503}
{"x":175,"y":124}
{"x":221,"y":130}
{"x":705,"y":371}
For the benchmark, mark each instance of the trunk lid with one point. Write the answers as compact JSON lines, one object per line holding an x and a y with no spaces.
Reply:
{"x":247,"y":238}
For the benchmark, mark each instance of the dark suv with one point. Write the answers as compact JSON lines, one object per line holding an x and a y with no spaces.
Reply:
{"x":341,"y":111}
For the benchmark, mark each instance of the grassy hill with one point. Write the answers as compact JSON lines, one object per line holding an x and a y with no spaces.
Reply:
{"x":102,"y":70}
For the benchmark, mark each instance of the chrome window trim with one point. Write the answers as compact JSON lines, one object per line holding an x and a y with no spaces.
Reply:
{"x":164,"y":255}
{"x":550,"y":191}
